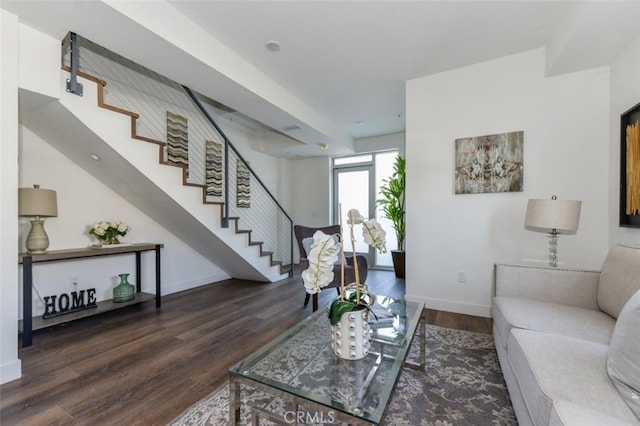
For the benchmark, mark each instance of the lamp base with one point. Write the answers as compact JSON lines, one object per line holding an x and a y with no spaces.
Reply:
{"x":37,"y":240}
{"x":553,"y":248}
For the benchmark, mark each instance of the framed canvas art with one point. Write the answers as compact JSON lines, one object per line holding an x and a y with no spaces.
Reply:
{"x":491,"y":163}
{"x":630,"y":168}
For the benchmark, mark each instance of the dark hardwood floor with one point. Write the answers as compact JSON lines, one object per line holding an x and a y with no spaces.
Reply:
{"x":139,"y":365}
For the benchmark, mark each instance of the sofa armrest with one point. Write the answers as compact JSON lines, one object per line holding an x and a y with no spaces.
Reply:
{"x":555,"y":285}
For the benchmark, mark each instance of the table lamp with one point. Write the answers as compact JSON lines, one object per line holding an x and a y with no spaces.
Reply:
{"x":554,"y":217}
{"x":37,"y":202}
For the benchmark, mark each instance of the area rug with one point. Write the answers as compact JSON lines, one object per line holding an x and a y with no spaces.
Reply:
{"x":463,"y":385}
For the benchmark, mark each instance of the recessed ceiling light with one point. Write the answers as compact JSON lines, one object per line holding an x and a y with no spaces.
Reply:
{"x":324,"y":146}
{"x":359,"y":123}
{"x":95,"y":157}
{"x":272,"y":46}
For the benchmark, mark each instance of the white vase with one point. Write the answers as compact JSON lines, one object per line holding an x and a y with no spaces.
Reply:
{"x":351,"y":337}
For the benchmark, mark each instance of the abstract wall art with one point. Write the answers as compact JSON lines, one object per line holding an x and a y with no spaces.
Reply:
{"x":243,"y":185}
{"x":213,"y":168}
{"x":630,"y":168}
{"x":491,"y":163}
{"x":177,"y":139}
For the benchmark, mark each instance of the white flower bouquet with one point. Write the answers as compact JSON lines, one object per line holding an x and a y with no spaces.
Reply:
{"x":108,"y":232}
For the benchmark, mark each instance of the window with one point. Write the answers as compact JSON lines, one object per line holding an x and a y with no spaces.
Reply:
{"x":356,"y":184}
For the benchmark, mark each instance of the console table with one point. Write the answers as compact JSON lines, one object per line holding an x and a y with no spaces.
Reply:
{"x":29,"y":323}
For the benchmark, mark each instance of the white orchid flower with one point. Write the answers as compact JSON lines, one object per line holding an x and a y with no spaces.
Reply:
{"x":374,"y":235}
{"x":354,"y":217}
{"x":322,"y":257}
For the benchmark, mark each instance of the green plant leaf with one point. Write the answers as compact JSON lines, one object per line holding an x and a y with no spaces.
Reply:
{"x":339,"y":307}
{"x":392,"y":201}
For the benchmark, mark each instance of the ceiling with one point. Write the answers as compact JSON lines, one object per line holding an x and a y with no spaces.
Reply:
{"x":341,"y":70}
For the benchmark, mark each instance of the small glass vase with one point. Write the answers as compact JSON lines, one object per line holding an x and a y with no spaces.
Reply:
{"x":124,"y":292}
{"x":111,"y":241}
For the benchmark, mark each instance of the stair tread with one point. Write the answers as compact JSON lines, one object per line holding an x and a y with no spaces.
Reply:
{"x":162,"y":144}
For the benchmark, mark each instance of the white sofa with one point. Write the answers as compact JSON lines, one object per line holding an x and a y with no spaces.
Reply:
{"x":568,"y":341}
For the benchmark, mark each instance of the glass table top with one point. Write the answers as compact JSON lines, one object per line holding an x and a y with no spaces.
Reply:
{"x":301,"y":362}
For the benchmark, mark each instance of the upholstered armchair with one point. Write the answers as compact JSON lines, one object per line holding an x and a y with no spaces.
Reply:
{"x":303,"y":232}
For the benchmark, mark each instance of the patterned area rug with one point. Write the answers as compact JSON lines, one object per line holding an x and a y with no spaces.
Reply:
{"x":463,"y":385}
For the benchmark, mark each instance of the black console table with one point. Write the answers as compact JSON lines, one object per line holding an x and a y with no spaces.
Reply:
{"x":29,"y":323}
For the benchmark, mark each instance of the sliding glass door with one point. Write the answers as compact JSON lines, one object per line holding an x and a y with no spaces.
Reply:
{"x":356,"y":182}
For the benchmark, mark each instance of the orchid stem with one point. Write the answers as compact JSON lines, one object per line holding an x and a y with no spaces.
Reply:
{"x":342,"y":259}
{"x":355,"y":261}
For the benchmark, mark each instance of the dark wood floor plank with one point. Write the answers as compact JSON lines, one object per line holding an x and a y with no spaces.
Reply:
{"x":141,"y":365}
{"x":50,"y":417}
{"x":29,"y":391}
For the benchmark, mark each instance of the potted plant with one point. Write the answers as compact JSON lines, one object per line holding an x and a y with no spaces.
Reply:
{"x":348,"y":313}
{"x":392,"y":203}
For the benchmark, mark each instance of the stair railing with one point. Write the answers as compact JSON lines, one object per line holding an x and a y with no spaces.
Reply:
{"x":277,"y":230}
{"x":153,"y":97}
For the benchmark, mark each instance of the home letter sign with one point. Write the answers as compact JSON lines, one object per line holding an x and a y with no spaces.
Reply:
{"x":67,"y":303}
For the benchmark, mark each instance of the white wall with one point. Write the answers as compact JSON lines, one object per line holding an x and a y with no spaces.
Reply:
{"x":83,"y":201}
{"x":625,"y":93}
{"x":9,"y":362}
{"x":565,"y":121}
{"x":311,"y":192}
{"x":393,"y":141}
{"x":39,"y":62}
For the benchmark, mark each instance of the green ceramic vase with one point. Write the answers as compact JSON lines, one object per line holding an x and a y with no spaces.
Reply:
{"x":124,"y":292}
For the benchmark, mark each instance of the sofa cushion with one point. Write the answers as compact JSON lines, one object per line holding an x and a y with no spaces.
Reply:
{"x":571,"y":321}
{"x":623,"y":359}
{"x":551,"y":367}
{"x":619,"y":279}
{"x":566,"y":414}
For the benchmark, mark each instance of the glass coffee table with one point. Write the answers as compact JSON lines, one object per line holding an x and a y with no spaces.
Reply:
{"x":299,"y":366}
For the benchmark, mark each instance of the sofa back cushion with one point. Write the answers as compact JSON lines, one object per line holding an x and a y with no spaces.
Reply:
{"x":623,"y":357}
{"x":619,"y":279}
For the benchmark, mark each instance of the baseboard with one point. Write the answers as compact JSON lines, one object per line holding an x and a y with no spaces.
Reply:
{"x":10,"y":371}
{"x":452,"y":306}
{"x":176,"y":287}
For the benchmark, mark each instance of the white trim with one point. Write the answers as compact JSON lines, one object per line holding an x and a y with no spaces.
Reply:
{"x":193,"y":283}
{"x":453,"y":306}
{"x":10,"y":371}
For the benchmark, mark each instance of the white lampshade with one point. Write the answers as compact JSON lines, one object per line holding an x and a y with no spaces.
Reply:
{"x":37,"y":202}
{"x":547,"y":215}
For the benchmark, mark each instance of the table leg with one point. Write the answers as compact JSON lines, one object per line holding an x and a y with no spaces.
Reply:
{"x":234,"y":401}
{"x":423,"y":340}
{"x":27,"y":283}
{"x":138,"y":273}
{"x":158,"y":290}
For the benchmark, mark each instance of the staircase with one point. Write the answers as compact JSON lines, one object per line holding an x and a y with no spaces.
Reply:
{"x":143,"y":168}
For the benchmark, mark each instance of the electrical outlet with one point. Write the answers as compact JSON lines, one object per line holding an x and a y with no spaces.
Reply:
{"x":74,"y":282}
{"x":462,"y":277}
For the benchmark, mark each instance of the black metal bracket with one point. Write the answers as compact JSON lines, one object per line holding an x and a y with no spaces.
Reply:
{"x":72,"y":83}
